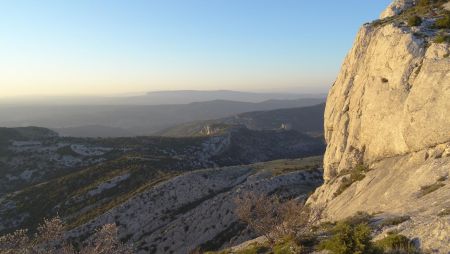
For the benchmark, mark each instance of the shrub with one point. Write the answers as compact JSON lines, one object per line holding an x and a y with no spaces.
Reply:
{"x":396,"y":243}
{"x":253,"y":249}
{"x":394,"y":221}
{"x":443,"y":22}
{"x":50,"y":239}
{"x":274,"y":219}
{"x":287,"y":246}
{"x":298,"y":221}
{"x":441,"y":38}
{"x":356,"y":174}
{"x":260,"y":212}
{"x":359,"y":218}
{"x":344,"y":185}
{"x":423,"y":3}
{"x":414,"y":21}
{"x":349,"y":239}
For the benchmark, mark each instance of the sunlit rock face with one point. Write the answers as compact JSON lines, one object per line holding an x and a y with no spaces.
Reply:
{"x":392,"y":97}
{"x":396,"y":8}
{"x":389,"y":110}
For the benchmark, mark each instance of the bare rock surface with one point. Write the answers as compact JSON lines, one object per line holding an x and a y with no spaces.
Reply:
{"x":391,"y":98}
{"x":389,"y":110}
{"x":396,"y":8}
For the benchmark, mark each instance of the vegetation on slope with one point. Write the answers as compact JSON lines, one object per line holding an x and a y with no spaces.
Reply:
{"x":348,"y":236}
{"x":432,"y":11}
{"x":127,"y":167}
{"x":354,"y":175}
{"x":269,"y":170}
{"x":50,"y":238}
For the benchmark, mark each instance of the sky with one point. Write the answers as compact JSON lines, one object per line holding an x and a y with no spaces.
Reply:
{"x":106,"y":47}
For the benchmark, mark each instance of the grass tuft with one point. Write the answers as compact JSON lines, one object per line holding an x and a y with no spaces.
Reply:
{"x":356,"y":174}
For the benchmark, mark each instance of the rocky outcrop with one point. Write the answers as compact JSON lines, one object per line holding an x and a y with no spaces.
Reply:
{"x":396,"y":8}
{"x":388,"y":110}
{"x":391,"y":98}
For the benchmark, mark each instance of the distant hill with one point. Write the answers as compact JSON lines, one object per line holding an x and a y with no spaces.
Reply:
{"x":188,"y":96}
{"x":24,"y":133}
{"x":125,"y":120}
{"x":159,"y":98}
{"x":303,"y":119}
{"x":93,"y":131}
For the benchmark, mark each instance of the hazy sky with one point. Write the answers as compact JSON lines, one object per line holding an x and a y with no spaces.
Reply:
{"x":106,"y":47}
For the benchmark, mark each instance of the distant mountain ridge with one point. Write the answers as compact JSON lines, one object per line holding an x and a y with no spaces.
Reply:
{"x":125,"y":120}
{"x":159,"y":98}
{"x":187,"y":96}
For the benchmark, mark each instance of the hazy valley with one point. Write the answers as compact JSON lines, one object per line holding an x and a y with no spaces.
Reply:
{"x":130,"y":120}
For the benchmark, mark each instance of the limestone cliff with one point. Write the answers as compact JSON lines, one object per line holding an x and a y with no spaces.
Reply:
{"x":389,"y":111}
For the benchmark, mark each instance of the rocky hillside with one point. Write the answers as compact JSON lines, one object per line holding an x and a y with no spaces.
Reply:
{"x":81,"y":178}
{"x":387,"y":125}
{"x":197,"y":209}
{"x":302,"y":119}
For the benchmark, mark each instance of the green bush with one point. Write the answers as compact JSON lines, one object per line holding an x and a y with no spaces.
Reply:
{"x":356,"y":174}
{"x":441,"y":38}
{"x":359,"y":218}
{"x":349,"y":239}
{"x":254,"y":249}
{"x":443,"y":22}
{"x":414,"y":21}
{"x":287,"y":246}
{"x":423,"y":3}
{"x":396,"y":243}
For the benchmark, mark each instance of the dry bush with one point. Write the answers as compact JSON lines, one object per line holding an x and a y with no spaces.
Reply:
{"x":16,"y":242}
{"x":105,"y":241}
{"x":260,"y":212}
{"x":50,"y":239}
{"x":274,"y":219}
{"x":298,"y":220}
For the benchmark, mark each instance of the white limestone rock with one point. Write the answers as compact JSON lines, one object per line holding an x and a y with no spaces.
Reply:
{"x":389,"y":109}
{"x":391,"y":98}
{"x":396,"y":8}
